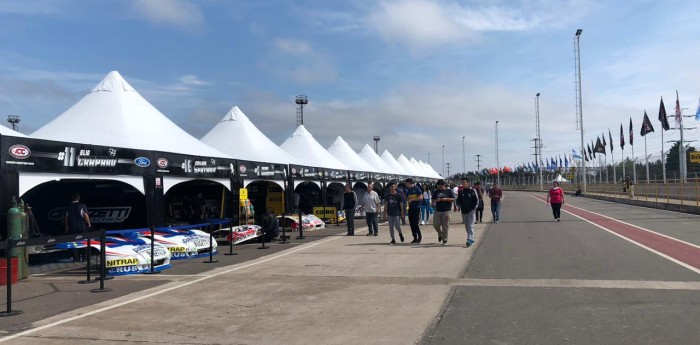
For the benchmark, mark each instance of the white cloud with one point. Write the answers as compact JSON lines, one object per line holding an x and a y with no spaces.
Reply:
{"x":179,"y":13}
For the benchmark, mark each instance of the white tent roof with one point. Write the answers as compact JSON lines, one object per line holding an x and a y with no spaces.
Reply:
{"x":373,"y":158}
{"x":238,"y":137}
{"x":393,"y":163}
{"x":302,"y":145}
{"x":343,"y":152}
{"x":418,"y":167}
{"x":408,"y":166}
{"x":114,"y":114}
{"x":10,"y":132}
{"x":427,"y":168}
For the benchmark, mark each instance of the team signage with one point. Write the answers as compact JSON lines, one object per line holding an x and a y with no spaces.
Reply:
{"x":258,"y":170}
{"x":173,"y":164}
{"x":27,"y":154}
{"x":300,"y":172}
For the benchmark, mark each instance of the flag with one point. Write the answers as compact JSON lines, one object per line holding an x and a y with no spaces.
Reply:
{"x":697,"y":112}
{"x":622,"y":138}
{"x":576,"y":154}
{"x":599,"y":148}
{"x":631,"y":133}
{"x":646,"y":125}
{"x":662,"y":116}
{"x":611,"y":142}
{"x":679,"y":115}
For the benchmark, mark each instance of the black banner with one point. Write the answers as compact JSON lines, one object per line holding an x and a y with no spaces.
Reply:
{"x":173,"y":164}
{"x":300,"y":172}
{"x":258,"y":170}
{"x":35,"y":155}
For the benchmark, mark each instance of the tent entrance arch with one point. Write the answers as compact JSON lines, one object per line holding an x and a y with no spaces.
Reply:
{"x":111,"y":204}
{"x":308,"y":195}
{"x":185,"y":201}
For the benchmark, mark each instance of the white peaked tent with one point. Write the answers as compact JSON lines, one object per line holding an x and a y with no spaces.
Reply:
{"x":4,"y":131}
{"x":114,"y":114}
{"x":408,"y":166}
{"x":307,"y":151}
{"x":343,"y":152}
{"x":373,"y":159}
{"x":428,"y":169}
{"x":389,"y":159}
{"x":238,"y":137}
{"x":418,"y":167}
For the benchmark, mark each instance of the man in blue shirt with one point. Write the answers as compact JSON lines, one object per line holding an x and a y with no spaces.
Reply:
{"x":414,"y":196}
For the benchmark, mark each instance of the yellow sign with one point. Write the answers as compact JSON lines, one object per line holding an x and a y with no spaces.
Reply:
{"x":694,"y":156}
{"x":327,"y":213}
{"x":243,"y":194}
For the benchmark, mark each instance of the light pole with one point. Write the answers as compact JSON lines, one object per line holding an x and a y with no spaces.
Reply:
{"x":538,"y":141}
{"x":498,"y":165}
{"x":580,"y":106}
{"x":443,"y":160}
{"x":464,"y":162}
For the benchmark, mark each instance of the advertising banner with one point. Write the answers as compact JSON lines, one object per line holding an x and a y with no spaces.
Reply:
{"x":174,"y":164}
{"x":259,"y":170}
{"x":35,"y":155}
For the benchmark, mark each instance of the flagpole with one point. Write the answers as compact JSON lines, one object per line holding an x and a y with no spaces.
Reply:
{"x":646,"y":157}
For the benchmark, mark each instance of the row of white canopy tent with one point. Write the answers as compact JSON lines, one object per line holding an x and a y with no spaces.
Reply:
{"x":115,"y":114}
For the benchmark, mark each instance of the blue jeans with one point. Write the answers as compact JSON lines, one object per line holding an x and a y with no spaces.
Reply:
{"x":372,"y":224}
{"x":496,"y":210}
{"x":425,"y":210}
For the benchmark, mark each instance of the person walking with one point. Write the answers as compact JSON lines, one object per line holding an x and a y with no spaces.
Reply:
{"x":443,"y":198}
{"x":370,"y":202}
{"x":425,"y":206}
{"x":414,"y":196}
{"x":480,"y":208}
{"x":394,"y":209}
{"x":555,"y":198}
{"x":76,"y":221}
{"x":496,"y":196}
{"x":348,"y":204}
{"x":468,"y":200}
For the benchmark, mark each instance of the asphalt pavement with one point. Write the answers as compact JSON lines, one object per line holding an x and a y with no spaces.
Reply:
{"x":606,"y":274}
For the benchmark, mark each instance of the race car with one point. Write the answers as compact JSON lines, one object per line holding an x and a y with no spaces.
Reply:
{"x":182,"y":244}
{"x":238,"y":234}
{"x":126,"y":256}
{"x":310,"y":222}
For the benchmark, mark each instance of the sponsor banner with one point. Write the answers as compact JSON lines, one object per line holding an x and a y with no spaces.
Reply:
{"x":173,"y":164}
{"x":359,"y":176}
{"x":35,"y":155}
{"x":258,"y":170}
{"x":300,"y":172}
{"x":335,"y":175}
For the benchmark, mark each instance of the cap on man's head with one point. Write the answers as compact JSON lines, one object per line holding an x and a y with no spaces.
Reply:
{"x":409,"y":180}
{"x":441,"y":182}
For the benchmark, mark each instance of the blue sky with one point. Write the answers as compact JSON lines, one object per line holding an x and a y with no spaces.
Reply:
{"x":421,"y":74}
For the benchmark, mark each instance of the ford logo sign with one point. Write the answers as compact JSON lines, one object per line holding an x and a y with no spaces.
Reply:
{"x":142,"y":162}
{"x":20,"y":151}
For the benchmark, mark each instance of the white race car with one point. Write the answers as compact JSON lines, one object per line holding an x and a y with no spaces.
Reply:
{"x":182,"y":244}
{"x":126,"y":256}
{"x":238,"y":234}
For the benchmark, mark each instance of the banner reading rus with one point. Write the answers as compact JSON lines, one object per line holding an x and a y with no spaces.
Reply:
{"x":36,"y":155}
{"x":270,"y":171}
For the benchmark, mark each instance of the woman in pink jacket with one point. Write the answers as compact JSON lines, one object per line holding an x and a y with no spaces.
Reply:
{"x":555,"y":197}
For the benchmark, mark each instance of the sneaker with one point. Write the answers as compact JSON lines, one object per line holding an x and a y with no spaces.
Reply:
{"x":392,"y":243}
{"x":401,"y":237}
{"x":469,"y":243}
{"x":439,"y":239}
